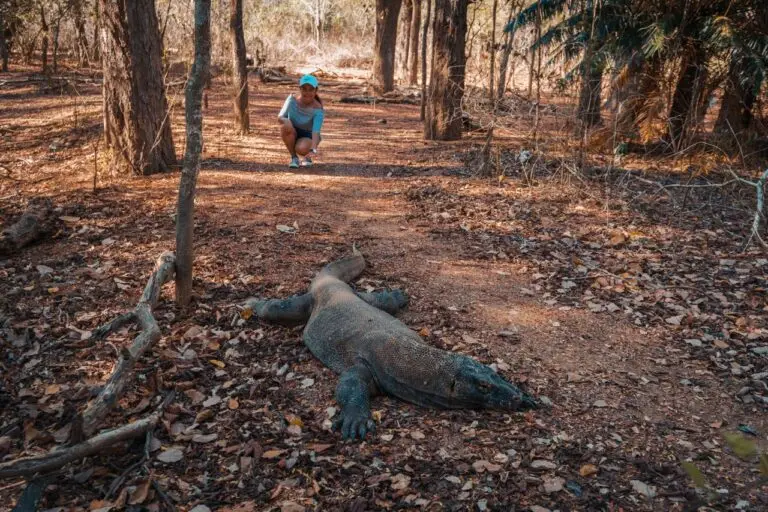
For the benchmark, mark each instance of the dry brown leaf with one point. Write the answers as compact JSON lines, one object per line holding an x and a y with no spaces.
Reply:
{"x":272,"y":454}
{"x":140,"y":494}
{"x":588,"y":470}
{"x":194,"y":395}
{"x":232,"y":403}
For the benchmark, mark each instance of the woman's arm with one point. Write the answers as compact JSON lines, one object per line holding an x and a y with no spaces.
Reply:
{"x":284,"y":114}
{"x":317,"y":125}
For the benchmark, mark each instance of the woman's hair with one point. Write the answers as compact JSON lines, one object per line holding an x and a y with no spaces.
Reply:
{"x":317,"y":97}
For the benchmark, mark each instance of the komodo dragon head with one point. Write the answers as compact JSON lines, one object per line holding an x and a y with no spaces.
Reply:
{"x":477,"y":386}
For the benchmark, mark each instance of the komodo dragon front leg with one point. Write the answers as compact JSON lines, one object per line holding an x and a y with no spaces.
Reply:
{"x":296,"y":310}
{"x":356,"y":387}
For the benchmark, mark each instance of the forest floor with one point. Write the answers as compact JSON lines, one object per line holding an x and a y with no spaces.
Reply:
{"x":633,"y":309}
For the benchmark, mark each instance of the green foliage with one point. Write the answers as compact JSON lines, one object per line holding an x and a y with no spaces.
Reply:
{"x":699,"y":480}
{"x":743,"y":447}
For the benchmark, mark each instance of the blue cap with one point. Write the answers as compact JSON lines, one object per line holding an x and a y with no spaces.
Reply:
{"x":308,"y":79}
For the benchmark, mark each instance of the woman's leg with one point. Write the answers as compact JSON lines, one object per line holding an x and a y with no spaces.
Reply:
{"x":288,"y":133}
{"x":303,"y":145}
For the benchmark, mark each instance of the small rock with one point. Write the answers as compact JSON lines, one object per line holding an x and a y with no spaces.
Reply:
{"x":200,"y":508}
{"x":543,"y":464}
{"x":536,"y":508}
{"x":721,"y":344}
{"x":43,"y":269}
{"x":482,"y":505}
{"x":552,"y":485}
{"x":170,"y":456}
{"x":646,"y":490}
{"x":760,"y":351}
{"x":544,"y":400}
{"x":600,"y":403}
{"x":694,"y":342}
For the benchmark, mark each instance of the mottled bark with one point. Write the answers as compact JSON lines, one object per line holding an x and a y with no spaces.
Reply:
{"x":185,"y":210}
{"x":446,"y":86}
{"x":239,"y":70}
{"x":56,"y":32}
{"x":136,"y":124}
{"x":413,"y":62}
{"x":424,"y":34}
{"x":387,"y":12}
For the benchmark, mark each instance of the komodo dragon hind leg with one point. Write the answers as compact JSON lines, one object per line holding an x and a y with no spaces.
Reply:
{"x":296,"y":310}
{"x":291,"y":311}
{"x":356,"y":386}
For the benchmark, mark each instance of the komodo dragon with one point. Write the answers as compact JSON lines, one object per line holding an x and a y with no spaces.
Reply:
{"x":355,"y":336}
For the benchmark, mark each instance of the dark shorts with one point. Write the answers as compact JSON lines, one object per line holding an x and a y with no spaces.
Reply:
{"x":303,"y":134}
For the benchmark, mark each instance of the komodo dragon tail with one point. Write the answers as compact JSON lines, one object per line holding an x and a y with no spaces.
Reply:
{"x":345,"y":269}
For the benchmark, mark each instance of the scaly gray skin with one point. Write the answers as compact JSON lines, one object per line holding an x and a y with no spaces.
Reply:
{"x":375,"y":353}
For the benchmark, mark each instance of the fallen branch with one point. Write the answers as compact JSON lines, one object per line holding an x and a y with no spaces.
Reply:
{"x":760,"y":191}
{"x":31,"y":225}
{"x":408,"y":100}
{"x":165,"y":269}
{"x":28,"y":466}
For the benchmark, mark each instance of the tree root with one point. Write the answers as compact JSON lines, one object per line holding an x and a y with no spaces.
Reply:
{"x":150,"y":333}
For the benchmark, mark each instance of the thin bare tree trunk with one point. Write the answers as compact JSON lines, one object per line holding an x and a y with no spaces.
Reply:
{"x":185,"y":210}
{"x":56,"y":32}
{"x":240,"y":82}
{"x":44,"y":28}
{"x":387,"y":12}
{"x":538,"y":77}
{"x":424,"y":33}
{"x":3,"y":45}
{"x":406,"y":34}
{"x":82,"y":38}
{"x":413,"y":79}
{"x":487,"y":168}
{"x":136,"y":124}
{"x":506,"y":50}
{"x":446,"y":84}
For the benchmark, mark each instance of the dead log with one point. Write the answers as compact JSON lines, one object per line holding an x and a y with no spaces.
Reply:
{"x":407,"y":100}
{"x":34,"y":223}
{"x":165,"y":269}
{"x":28,"y":466}
{"x":273,"y":75}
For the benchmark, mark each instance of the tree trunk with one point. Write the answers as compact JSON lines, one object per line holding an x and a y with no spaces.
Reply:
{"x":185,"y":210}
{"x":387,"y":12}
{"x":240,"y":78}
{"x":739,"y":98}
{"x":424,"y":33}
{"x":96,"y":50}
{"x":136,"y":124}
{"x":406,"y":35}
{"x":56,"y":32}
{"x":413,"y":79}
{"x":506,"y":51}
{"x":44,"y":29}
{"x":4,"y":51}
{"x":446,"y":85}
{"x":590,"y":95}
{"x":82,"y":38}
{"x":686,"y":98}
{"x":487,"y":166}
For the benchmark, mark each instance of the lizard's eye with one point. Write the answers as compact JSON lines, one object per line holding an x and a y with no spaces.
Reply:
{"x":485,"y":387}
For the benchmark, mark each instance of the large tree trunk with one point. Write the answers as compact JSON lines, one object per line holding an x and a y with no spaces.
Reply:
{"x":44,"y":29}
{"x":413,"y":78}
{"x":240,"y":72}
{"x":739,"y":98}
{"x":446,"y":85}
{"x":686,"y":98}
{"x":185,"y":210}
{"x":387,"y":12}
{"x":96,"y":49}
{"x":136,"y":124}
{"x":425,"y":32}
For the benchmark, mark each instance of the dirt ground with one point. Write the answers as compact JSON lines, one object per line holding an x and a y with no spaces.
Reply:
{"x":635,"y":314}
